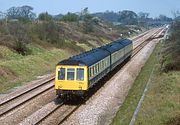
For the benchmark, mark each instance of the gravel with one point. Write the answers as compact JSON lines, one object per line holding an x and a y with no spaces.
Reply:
{"x":23,"y":88}
{"x":102,"y":106}
{"x":20,"y":113}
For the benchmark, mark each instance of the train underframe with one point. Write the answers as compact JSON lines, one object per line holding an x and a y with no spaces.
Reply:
{"x":68,"y":94}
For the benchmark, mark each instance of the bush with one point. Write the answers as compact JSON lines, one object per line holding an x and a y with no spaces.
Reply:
{"x":21,"y":48}
{"x":70,"y":17}
{"x":19,"y":33}
{"x":45,"y":17}
{"x":171,"y":60}
{"x":3,"y":27}
{"x":48,"y":31}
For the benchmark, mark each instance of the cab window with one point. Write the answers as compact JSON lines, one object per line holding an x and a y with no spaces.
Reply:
{"x":61,"y":74}
{"x":80,"y":74}
{"x":70,"y":74}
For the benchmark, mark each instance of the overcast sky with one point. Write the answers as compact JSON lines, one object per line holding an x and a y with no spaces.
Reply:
{"x":54,"y":7}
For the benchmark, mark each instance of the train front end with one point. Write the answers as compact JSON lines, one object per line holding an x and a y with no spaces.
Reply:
{"x":71,"y":80}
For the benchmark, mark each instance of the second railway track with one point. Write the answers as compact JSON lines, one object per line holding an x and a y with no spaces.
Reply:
{"x":9,"y":103}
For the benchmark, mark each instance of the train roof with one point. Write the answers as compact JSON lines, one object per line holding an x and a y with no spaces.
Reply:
{"x":87,"y":58}
{"x":91,"y":57}
{"x":124,"y":42}
{"x":112,"y":47}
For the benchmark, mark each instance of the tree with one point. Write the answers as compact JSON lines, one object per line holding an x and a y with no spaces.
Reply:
{"x":19,"y":33}
{"x":171,"y":51}
{"x":143,"y":15}
{"x":70,"y":17}
{"x":26,"y":12}
{"x":143,"y":18}
{"x":176,"y":14}
{"x":23,"y":13}
{"x":108,"y":16}
{"x":1,"y":15}
{"x":164,"y":18}
{"x":127,"y":17}
{"x":45,"y":16}
{"x":87,"y":18}
{"x":84,"y":12}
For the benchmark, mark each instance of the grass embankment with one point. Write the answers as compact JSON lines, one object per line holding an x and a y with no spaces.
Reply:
{"x":15,"y":68}
{"x":32,"y":48}
{"x":161,"y":104}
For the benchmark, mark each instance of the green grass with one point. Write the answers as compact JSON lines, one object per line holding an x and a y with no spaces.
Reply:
{"x":161,"y":105}
{"x":127,"y":109}
{"x":162,"y":102}
{"x":85,"y":46}
{"x":16,"y":69}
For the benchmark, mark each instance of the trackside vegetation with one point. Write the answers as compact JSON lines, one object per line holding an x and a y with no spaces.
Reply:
{"x":31,"y":46}
{"x":161,"y":105}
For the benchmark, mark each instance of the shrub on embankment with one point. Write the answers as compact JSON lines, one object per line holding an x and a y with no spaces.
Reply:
{"x":171,"y":53}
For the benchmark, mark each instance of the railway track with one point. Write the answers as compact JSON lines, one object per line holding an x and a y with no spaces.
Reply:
{"x":14,"y":101}
{"x":144,"y":43}
{"x":69,"y":109}
{"x":42,"y":115}
{"x":141,"y":35}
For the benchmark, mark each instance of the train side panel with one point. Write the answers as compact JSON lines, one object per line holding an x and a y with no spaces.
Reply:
{"x":117,"y":58}
{"x":128,"y":50}
{"x":98,"y":70}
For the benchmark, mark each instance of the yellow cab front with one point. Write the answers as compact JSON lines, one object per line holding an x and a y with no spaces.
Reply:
{"x":71,"y":78}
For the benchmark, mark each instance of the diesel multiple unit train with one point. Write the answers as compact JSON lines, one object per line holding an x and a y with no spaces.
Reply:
{"x":75,"y":75}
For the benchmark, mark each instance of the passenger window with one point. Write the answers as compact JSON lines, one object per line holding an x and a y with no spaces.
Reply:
{"x":70,"y":74}
{"x":92,"y":72}
{"x":94,"y":69}
{"x":102,"y":64}
{"x":61,"y":74}
{"x":97,"y":68}
{"x":80,"y":74}
{"x":89,"y":72}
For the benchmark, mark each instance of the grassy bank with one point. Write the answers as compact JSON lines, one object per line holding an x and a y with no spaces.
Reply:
{"x":127,"y":109}
{"x":162,"y":102}
{"x":16,"y":69}
{"x":161,"y":105}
